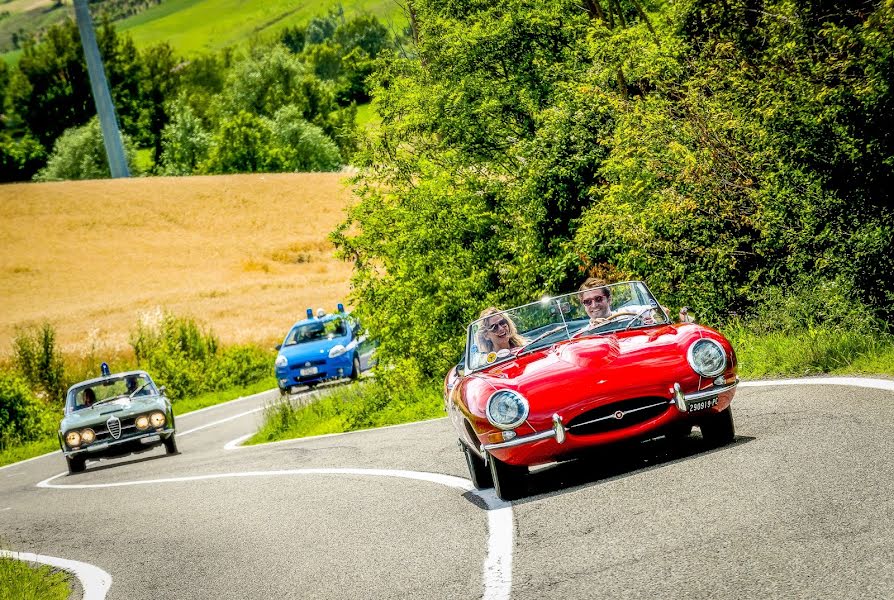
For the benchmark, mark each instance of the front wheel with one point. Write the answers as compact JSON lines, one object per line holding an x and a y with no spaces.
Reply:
{"x":355,"y":373}
{"x":719,"y":429}
{"x":510,"y":481}
{"x":478,"y":471}
{"x":76,"y":464}
{"x":171,"y":445}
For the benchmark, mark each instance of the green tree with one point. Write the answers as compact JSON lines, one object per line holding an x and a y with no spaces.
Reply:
{"x":241,"y":145}
{"x":79,"y":153}
{"x":185,"y":141}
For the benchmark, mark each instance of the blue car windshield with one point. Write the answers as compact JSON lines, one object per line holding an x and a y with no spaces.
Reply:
{"x":316,"y":330}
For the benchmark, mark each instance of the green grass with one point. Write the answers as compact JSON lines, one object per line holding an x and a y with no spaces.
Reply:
{"x":144,"y":160}
{"x":186,"y":405}
{"x":367,"y":117}
{"x":197,"y":26}
{"x":349,"y":408}
{"x":24,"y":581}
{"x":28,"y":450}
{"x":812,"y":352}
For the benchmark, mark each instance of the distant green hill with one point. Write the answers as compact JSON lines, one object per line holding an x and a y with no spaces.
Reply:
{"x":193,"y":26}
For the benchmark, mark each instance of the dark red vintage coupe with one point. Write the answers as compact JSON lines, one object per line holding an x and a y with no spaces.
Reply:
{"x":547,"y":381}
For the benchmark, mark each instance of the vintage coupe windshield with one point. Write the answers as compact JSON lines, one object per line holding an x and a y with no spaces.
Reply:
{"x":109,"y":388}
{"x":598,"y":311}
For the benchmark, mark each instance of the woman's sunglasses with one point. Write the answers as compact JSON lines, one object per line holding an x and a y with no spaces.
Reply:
{"x":494,"y":326}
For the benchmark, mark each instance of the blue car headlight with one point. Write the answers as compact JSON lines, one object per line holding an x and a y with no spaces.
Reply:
{"x":281,"y":361}
{"x":507,"y":409}
{"x":337,"y":350}
{"x":707,"y":357}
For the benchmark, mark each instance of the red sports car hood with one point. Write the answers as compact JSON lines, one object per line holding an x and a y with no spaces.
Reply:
{"x":622,"y":365}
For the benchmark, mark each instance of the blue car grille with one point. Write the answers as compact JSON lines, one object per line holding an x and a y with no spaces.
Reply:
{"x":307,"y":363}
{"x":618,"y":415}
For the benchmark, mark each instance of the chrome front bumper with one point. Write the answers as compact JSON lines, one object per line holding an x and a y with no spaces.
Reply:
{"x":558,"y":430}
{"x":92,"y":448}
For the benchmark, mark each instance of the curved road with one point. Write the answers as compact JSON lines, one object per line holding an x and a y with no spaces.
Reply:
{"x":800,"y":506}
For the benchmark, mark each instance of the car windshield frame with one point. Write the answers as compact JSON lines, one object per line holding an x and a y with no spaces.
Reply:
{"x":317,"y":330}
{"x":109,"y":388}
{"x":555,"y":319}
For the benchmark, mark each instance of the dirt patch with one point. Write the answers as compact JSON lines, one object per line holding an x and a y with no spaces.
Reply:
{"x":245,"y":254}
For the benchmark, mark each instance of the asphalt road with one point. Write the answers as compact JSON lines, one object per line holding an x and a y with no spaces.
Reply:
{"x":800,"y":506}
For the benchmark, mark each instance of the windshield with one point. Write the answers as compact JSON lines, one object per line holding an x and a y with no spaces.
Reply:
{"x":110,"y":388}
{"x":598,"y":311}
{"x":316,"y":330}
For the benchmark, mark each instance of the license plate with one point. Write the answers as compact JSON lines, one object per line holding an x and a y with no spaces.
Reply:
{"x":308,"y":371}
{"x":702,"y":404}
{"x":150,"y":438}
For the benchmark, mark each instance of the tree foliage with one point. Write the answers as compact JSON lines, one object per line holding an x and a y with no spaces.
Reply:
{"x":710,"y":150}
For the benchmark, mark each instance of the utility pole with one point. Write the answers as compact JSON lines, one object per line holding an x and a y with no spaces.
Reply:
{"x":108,"y":121}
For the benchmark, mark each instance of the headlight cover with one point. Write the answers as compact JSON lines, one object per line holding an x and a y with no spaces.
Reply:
{"x":507,"y":409}
{"x":707,"y":357}
{"x":73,"y":439}
{"x":142,"y":422}
{"x":337,"y":350}
{"x":87,"y":436}
{"x":281,"y":361}
{"x":157,"y":419}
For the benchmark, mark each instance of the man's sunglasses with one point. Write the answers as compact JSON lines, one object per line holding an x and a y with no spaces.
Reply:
{"x":494,"y":326}
{"x":594,"y":300}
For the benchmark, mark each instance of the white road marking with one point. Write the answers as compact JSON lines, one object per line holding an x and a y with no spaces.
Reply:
{"x":497,"y":571}
{"x":7,"y":508}
{"x":235,"y":444}
{"x":213,"y":406}
{"x":213,"y":423}
{"x":95,"y":581}
{"x":863,"y":382}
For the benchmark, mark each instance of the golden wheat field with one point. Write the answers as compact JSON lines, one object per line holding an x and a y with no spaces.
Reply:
{"x":244,"y":255}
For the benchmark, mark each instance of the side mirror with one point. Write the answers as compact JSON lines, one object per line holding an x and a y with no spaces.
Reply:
{"x":278,"y":346}
{"x":162,"y":390}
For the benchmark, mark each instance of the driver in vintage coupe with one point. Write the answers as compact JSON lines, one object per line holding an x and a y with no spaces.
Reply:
{"x":596,"y":367}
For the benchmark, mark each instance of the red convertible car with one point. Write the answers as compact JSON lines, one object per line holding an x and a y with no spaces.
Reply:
{"x":547,"y":381}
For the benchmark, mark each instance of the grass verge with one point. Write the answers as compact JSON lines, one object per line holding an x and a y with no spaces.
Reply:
{"x":349,"y":408}
{"x":23,"y":581}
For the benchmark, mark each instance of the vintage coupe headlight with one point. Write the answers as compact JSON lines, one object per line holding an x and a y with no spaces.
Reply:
{"x":507,"y":409}
{"x":281,"y":361}
{"x":337,"y":350}
{"x":142,"y":422}
{"x":87,"y":436}
{"x":73,"y":439}
{"x":157,"y":419}
{"x":707,"y":357}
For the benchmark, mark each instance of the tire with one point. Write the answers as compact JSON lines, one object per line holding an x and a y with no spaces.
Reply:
{"x":171,"y":445}
{"x":510,"y":481}
{"x":355,"y":372}
{"x":283,"y":391}
{"x":719,"y":429}
{"x":478,"y":471}
{"x":76,"y":464}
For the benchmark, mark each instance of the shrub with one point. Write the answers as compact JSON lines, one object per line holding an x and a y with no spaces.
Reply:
{"x":79,"y":153}
{"x":240,"y":366}
{"x":40,"y":362}
{"x":22,"y":416}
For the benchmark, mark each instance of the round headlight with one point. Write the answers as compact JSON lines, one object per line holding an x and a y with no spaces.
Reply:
{"x":707,"y":358}
{"x":157,"y":419}
{"x":142,"y":422}
{"x":281,"y":361}
{"x":73,"y":439}
{"x":337,"y":350}
{"x":87,"y":436}
{"x":507,"y":409}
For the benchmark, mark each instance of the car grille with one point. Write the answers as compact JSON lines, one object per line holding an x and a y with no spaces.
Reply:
{"x":125,"y":428}
{"x":114,"y":425}
{"x":308,"y":363}
{"x":618,"y":415}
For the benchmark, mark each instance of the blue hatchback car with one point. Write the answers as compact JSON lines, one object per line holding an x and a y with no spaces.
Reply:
{"x":316,"y":349}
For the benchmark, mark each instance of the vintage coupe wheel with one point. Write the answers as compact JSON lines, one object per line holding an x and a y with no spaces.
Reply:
{"x":76,"y":464}
{"x":480,"y":474}
{"x":171,"y":445}
{"x":355,"y":373}
{"x":510,"y":481}
{"x":719,"y":429}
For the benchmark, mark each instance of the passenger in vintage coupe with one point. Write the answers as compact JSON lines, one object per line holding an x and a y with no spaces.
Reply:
{"x":590,"y":372}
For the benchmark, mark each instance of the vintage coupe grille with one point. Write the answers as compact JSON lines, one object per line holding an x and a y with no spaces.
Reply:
{"x":127,"y":428}
{"x":114,"y":426}
{"x":618,"y":415}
